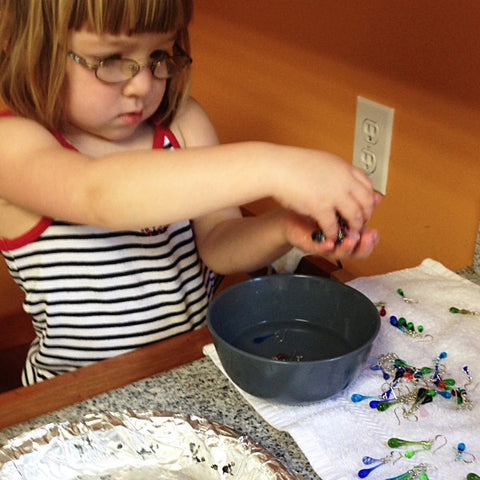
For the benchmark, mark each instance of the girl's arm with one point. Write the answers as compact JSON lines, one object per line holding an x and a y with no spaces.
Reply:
{"x":137,"y":188}
{"x":246,"y":244}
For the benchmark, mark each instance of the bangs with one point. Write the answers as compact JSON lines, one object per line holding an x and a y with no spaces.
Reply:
{"x":131,"y":16}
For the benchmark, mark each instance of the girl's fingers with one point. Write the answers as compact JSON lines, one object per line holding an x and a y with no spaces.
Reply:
{"x":360,"y":248}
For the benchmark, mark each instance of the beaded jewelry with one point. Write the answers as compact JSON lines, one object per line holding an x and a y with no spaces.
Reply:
{"x":404,"y":298}
{"x":424,"y":444}
{"x":406,"y":327}
{"x":381,"y":309}
{"x":463,"y":311}
{"x":402,"y":324}
{"x":319,"y":236}
{"x":409,"y":387}
{"x":462,"y":455}
{"x":370,"y":461}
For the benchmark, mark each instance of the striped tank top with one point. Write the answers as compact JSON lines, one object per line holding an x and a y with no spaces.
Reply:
{"x":94,"y":293}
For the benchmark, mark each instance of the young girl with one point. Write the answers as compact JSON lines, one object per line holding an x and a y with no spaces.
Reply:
{"x":116,"y":203}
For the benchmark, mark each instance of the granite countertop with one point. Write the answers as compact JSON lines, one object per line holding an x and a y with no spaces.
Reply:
{"x":197,"y":388}
{"x":470,"y":274}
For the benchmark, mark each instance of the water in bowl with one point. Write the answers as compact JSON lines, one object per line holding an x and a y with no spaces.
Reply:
{"x":292,"y":340}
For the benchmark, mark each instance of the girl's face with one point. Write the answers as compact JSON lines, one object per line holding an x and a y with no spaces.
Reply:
{"x":112,"y":111}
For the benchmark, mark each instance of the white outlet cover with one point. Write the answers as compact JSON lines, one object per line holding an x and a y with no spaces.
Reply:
{"x":372,"y":141}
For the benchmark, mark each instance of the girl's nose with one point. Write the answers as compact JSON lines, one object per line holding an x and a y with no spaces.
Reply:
{"x":141,"y":84}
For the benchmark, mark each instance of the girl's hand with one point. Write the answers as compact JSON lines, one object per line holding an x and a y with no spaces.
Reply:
{"x":321,"y":186}
{"x":298,"y":231}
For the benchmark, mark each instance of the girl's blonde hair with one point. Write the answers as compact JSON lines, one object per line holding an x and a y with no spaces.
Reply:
{"x":33,"y":48}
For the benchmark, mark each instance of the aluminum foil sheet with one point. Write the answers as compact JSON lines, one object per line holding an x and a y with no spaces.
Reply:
{"x":137,"y":445}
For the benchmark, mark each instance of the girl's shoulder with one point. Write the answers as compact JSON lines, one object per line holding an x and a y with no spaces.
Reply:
{"x":23,"y":135}
{"x":9,"y":119}
{"x":20,"y":139}
{"x":193,"y":127}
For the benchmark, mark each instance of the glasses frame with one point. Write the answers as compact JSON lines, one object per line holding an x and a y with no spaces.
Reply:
{"x":179,"y":58}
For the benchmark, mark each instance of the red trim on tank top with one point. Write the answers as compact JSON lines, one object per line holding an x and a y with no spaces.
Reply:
{"x":162,"y":132}
{"x":28,"y":237}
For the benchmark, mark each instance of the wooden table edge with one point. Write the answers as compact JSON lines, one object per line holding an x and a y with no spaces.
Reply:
{"x":25,"y":403}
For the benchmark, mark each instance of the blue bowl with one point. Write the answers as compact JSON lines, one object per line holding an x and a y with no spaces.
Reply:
{"x":292,"y":338}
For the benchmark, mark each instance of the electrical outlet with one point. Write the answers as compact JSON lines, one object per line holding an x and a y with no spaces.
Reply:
{"x":373,"y":137}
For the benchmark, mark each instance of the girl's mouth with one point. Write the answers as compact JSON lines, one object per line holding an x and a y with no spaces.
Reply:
{"x":131,"y":118}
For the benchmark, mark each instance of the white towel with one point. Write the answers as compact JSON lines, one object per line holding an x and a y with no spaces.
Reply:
{"x":336,"y":433}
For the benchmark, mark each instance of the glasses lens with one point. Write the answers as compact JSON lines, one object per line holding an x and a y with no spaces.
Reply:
{"x":162,"y":69}
{"x":117,"y":70}
{"x":171,"y":66}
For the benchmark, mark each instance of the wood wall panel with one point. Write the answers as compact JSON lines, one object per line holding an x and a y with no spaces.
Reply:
{"x":270,"y":71}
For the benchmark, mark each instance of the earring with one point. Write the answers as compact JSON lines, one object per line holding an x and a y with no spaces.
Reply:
{"x":404,"y":298}
{"x":369,"y":461}
{"x":425,"y":444}
{"x":463,"y":311}
{"x":462,"y":455}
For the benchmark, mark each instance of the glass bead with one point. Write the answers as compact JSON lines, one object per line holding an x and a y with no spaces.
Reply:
{"x":397,"y":442}
{"x":422,"y":392}
{"x":382,"y":406}
{"x":367,"y":471}
{"x":473,"y":476}
{"x":318,"y":236}
{"x":445,"y":394}
{"x":356,"y":397}
{"x":426,"y":400}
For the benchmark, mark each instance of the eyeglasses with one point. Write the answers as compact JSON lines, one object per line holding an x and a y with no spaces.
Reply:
{"x":118,"y":70}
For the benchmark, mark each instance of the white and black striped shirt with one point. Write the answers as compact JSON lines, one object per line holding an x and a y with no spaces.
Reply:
{"x":95,"y":293}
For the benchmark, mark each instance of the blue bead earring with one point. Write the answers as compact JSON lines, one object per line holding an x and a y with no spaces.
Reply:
{"x":365,"y":472}
{"x":462,"y":455}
